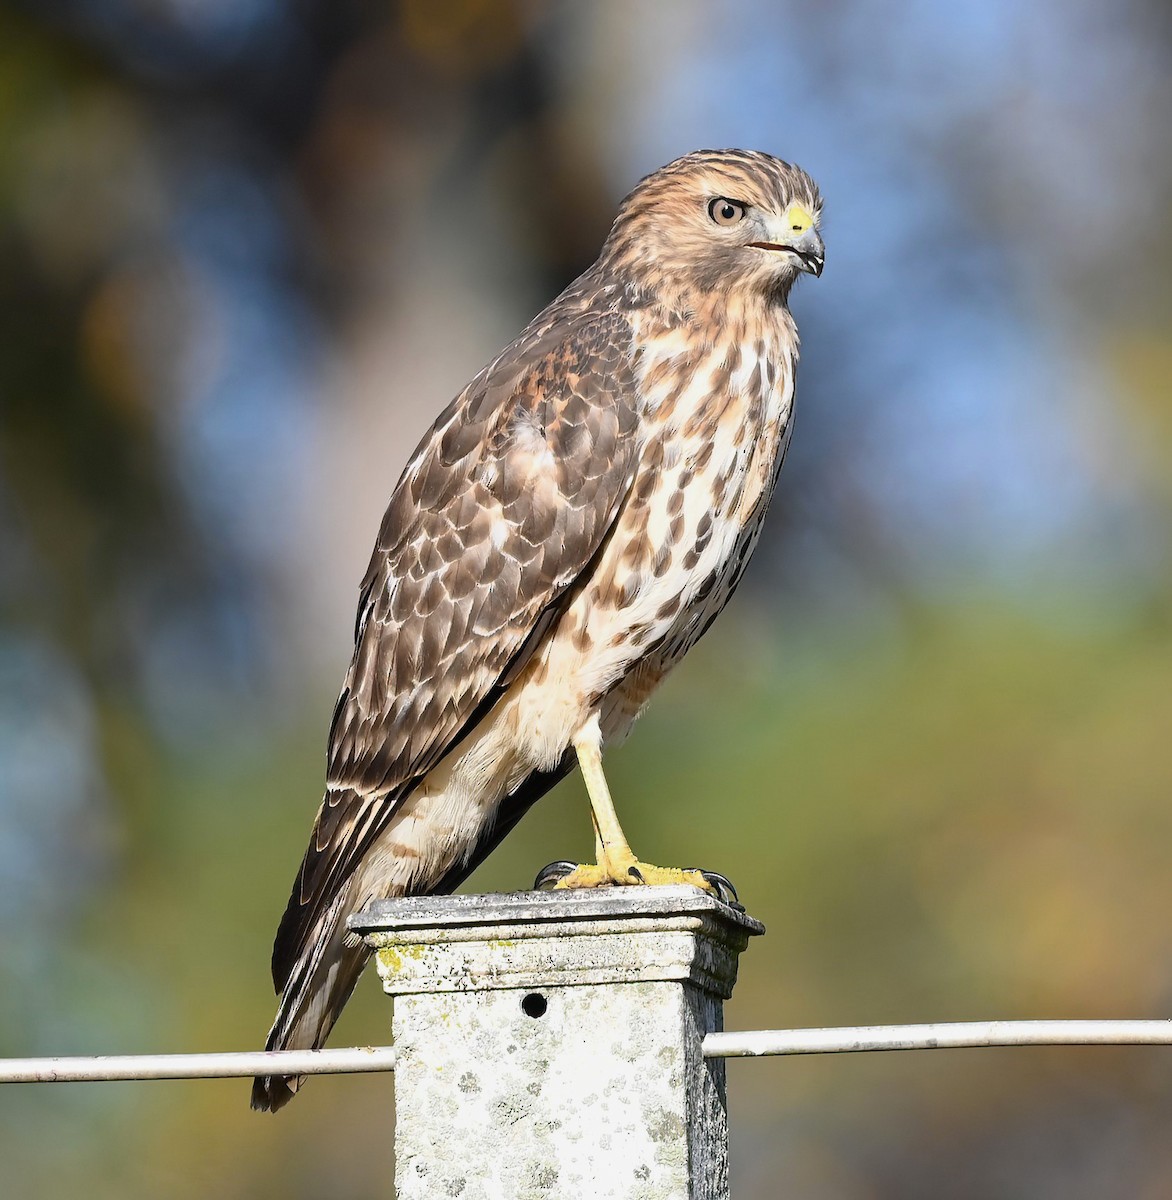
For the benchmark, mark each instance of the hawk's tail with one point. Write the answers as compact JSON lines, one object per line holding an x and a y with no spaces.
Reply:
{"x":318,"y":986}
{"x":327,"y":960}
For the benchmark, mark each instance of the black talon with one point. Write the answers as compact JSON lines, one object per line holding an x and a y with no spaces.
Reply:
{"x":635,"y":873}
{"x":725,"y":892}
{"x":552,"y":874}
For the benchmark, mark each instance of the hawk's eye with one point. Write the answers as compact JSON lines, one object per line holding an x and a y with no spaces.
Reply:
{"x":726,"y":212}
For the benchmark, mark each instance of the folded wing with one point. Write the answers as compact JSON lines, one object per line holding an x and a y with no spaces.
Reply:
{"x":503,"y":507}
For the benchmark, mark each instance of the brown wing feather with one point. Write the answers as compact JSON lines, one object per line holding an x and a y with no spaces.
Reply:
{"x":505,"y":503}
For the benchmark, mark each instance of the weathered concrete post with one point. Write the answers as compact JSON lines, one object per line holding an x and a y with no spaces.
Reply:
{"x":549,"y":1042}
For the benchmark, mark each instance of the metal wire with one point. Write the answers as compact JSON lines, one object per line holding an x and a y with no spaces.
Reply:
{"x":744,"y":1044}
{"x":950,"y":1035}
{"x":197,"y":1066}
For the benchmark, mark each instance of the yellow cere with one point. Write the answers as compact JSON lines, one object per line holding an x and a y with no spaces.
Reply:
{"x":798,"y":218}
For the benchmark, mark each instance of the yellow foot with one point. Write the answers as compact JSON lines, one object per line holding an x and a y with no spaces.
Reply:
{"x":624,"y":869}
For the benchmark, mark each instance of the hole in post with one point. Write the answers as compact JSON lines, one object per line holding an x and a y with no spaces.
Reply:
{"x":534,"y":1005}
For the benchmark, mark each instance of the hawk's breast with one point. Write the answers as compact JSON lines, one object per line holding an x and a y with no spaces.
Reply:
{"x":714,"y":422}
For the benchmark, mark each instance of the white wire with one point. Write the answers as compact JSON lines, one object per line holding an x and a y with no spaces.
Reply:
{"x":744,"y":1044}
{"x":197,"y":1066}
{"x":950,"y":1035}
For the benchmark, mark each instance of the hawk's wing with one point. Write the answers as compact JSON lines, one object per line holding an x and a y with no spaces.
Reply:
{"x":503,"y":506}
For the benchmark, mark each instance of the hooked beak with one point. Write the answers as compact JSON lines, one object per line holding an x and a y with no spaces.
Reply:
{"x":810,"y":251}
{"x":807,"y":247}
{"x":800,"y":239}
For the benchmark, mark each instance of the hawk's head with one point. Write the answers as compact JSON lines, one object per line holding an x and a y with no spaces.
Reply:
{"x":719,"y":220}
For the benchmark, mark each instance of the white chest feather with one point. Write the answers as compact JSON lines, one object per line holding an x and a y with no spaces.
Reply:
{"x":715,"y":426}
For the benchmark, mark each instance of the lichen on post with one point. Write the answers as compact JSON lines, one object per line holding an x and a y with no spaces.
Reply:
{"x":551,"y":1041}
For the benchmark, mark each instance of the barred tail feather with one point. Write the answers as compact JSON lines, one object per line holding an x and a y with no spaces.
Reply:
{"x":315,"y":967}
{"x":318,"y":987}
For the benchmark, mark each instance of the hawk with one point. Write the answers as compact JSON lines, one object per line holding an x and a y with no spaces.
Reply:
{"x":567,"y":530}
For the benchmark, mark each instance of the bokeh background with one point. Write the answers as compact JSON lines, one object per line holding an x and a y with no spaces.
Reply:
{"x":248,"y":248}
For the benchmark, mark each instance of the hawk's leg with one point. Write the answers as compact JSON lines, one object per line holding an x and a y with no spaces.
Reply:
{"x":617,"y":863}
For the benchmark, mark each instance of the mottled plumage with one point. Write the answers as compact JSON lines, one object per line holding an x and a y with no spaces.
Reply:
{"x":566,"y":531}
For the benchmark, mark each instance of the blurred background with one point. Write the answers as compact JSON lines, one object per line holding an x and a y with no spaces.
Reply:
{"x":248,"y":250}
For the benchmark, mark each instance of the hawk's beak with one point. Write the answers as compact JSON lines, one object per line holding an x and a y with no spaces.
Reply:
{"x":798,"y":235}
{"x":810,"y":251}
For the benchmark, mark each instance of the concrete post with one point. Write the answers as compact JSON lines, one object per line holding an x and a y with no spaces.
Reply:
{"x":548,"y":1043}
